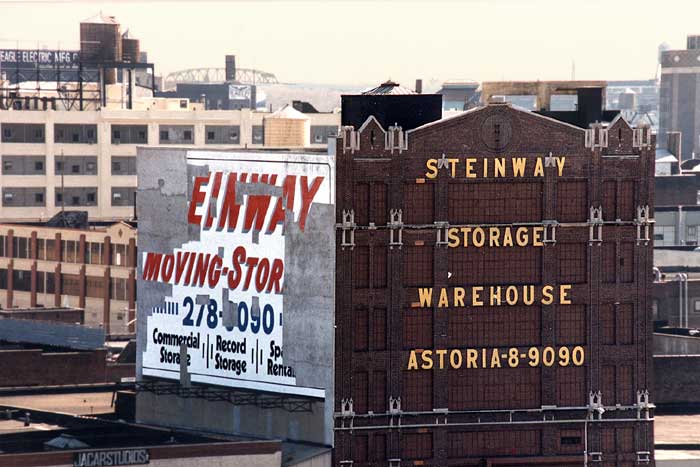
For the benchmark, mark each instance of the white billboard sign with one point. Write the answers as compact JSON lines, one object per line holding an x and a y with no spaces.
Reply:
{"x":226,"y":309}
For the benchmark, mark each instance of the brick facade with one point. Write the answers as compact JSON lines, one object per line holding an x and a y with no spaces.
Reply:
{"x":89,"y":269}
{"x":387,"y":414}
{"x":35,"y":367}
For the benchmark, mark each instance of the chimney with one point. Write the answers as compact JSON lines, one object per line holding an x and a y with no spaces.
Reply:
{"x":230,"y":68}
{"x":673,"y":143}
{"x":693,"y":42}
{"x":419,"y":86}
{"x":590,"y":104}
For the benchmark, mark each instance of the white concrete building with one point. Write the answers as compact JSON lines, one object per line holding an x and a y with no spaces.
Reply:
{"x":92,"y":154}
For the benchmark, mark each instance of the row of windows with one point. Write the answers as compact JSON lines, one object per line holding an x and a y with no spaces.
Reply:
{"x":35,"y":165}
{"x":492,"y":265}
{"x":65,"y":165}
{"x":472,"y":389}
{"x":501,"y":326}
{"x":70,"y":251}
{"x":73,"y":196}
{"x":138,"y":134}
{"x":418,"y":446}
{"x":70,"y":284}
{"x":494,"y":202}
{"x":465,"y":444}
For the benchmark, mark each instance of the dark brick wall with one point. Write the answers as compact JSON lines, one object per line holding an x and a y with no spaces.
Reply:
{"x":376,"y":288}
{"x":666,"y":295}
{"x":677,"y":379}
{"x":676,"y":190}
{"x":36,"y":368}
{"x":71,"y":316}
{"x":117,"y":371}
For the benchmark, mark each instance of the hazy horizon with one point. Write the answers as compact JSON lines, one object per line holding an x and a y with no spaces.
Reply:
{"x":362,"y":43}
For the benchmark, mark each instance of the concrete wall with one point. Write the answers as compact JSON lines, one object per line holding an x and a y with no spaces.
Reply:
{"x":103,"y":150}
{"x":165,"y":183}
{"x":679,"y":259}
{"x":668,"y":344}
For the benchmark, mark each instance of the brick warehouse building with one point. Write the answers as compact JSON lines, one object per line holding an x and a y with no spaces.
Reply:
{"x":93,"y":269}
{"x":427,"y":230}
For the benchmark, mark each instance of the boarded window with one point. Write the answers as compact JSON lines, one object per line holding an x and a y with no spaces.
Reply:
{"x":418,"y":328}
{"x":571,"y":386}
{"x":573,"y":263}
{"x":415,"y":446}
{"x":571,"y":325}
{"x":627,"y":262}
{"x":370,"y":203}
{"x":379,"y":401}
{"x":495,"y":265}
{"x":572,"y":201}
{"x":360,"y":326}
{"x":617,"y":384}
{"x":379,"y":209}
{"x":495,"y":202}
{"x":493,"y":443}
{"x":378,"y":329}
{"x":609,"y":200}
{"x":466,"y":265}
{"x":607,"y":323}
{"x":379,"y":270}
{"x":609,"y":260}
{"x":512,"y":265}
{"x":359,"y":391}
{"x":625,"y":323}
{"x":500,"y":326}
{"x":417,"y":391}
{"x":608,"y":440}
{"x":497,"y":388}
{"x":361,"y":203}
{"x":378,"y":447}
{"x":624,"y":393}
{"x":360,"y":269}
{"x":607,"y":384}
{"x":625,"y":439}
{"x":359,"y":448}
{"x":419,"y":203}
{"x":626,"y":202}
{"x":418,"y":266}
{"x":618,"y":440}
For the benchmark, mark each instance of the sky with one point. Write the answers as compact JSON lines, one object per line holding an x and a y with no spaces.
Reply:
{"x":365,"y":42}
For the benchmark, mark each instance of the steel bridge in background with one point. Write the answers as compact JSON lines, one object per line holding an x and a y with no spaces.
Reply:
{"x":217,"y":75}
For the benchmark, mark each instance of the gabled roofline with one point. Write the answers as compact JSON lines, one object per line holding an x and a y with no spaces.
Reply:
{"x":620,"y":117}
{"x":370,"y":118}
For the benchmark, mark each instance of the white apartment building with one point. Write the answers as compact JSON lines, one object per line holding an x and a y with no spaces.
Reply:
{"x":86,"y":160}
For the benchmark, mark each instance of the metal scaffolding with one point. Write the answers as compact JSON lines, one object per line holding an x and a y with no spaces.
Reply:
{"x":233,"y":396}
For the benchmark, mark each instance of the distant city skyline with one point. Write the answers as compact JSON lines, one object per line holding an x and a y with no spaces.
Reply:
{"x":363,"y":43}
